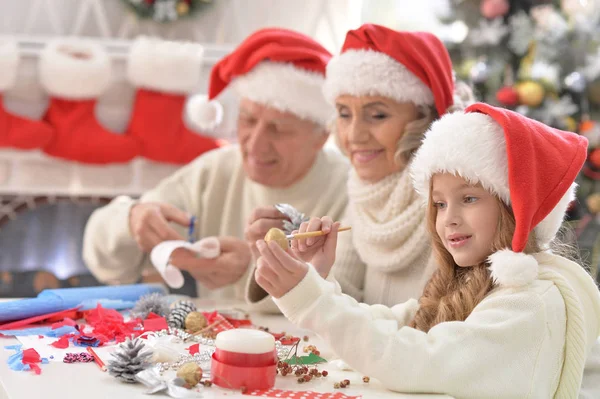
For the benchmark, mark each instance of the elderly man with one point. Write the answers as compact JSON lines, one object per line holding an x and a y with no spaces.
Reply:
{"x":280,"y":158}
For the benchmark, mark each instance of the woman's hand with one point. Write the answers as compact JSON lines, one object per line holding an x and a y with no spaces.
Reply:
{"x":278,"y":271}
{"x":318,"y":251}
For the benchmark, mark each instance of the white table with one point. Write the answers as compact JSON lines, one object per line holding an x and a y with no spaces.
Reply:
{"x":77,"y":381}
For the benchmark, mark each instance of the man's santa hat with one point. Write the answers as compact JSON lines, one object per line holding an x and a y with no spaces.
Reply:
{"x":404,"y":66}
{"x":275,"y":67}
{"x":528,"y":165}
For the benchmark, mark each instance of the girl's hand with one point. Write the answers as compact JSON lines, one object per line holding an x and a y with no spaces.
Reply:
{"x":318,"y":251}
{"x":278,"y":271}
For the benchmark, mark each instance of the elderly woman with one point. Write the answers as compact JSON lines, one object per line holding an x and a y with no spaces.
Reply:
{"x":388,"y":87}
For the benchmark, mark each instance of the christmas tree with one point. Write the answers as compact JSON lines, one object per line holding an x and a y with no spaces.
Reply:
{"x":540,"y":58}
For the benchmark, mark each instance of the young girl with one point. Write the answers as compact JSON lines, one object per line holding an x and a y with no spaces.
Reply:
{"x":502,"y":316}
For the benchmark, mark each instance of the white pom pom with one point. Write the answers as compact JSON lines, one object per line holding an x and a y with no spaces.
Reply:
{"x":513,"y":269}
{"x":204,"y":115}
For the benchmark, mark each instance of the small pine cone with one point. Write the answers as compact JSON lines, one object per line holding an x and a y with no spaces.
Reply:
{"x":188,"y":306}
{"x":176,"y":318}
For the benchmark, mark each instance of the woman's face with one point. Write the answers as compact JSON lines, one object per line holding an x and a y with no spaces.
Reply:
{"x":369,"y":129}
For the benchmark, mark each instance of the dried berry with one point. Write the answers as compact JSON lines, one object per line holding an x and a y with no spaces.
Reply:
{"x":347,"y":382}
{"x":366,"y":379}
{"x":307,"y":378}
{"x":324,"y":373}
{"x":207,"y":383}
{"x":300,"y":380}
{"x":336,"y":385}
{"x":305,"y":338}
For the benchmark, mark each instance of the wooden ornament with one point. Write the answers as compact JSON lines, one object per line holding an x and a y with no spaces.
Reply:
{"x":278,"y":236}
{"x":194,"y":322}
{"x":191,"y":373}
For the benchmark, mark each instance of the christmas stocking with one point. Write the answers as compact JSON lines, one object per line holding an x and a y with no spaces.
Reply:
{"x":164,"y":72}
{"x":16,"y":131}
{"x":75,"y":72}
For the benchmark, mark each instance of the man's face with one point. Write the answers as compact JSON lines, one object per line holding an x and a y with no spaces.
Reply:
{"x":278,"y":148}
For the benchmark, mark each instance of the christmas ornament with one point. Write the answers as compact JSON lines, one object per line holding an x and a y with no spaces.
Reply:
{"x":296,"y":218}
{"x":594,"y":158}
{"x":593,"y":92}
{"x":521,"y":28}
{"x":546,"y":73}
{"x":166,"y":11}
{"x":150,"y":303}
{"x":494,"y":8}
{"x":191,"y":373}
{"x":530,"y":93}
{"x":558,"y":110}
{"x":275,"y":234}
{"x":508,"y":96}
{"x":570,"y":124}
{"x":575,"y":82}
{"x":480,"y":72}
{"x":590,"y":130}
{"x":593,"y":203}
{"x":489,"y":33}
{"x":17,"y":131}
{"x":75,"y":72}
{"x":130,"y":359}
{"x":163,"y":73}
{"x":194,"y":322}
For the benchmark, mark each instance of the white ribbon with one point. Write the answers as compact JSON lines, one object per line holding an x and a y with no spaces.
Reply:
{"x":174,"y":388}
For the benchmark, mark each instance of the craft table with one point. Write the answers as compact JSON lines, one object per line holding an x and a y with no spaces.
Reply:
{"x":86,"y":380}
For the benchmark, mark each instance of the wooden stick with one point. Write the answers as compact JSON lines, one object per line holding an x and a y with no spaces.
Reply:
{"x":298,"y":236}
{"x":216,"y":323}
{"x":97,"y":359}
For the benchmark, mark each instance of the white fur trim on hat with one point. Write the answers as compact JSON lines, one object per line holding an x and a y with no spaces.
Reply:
{"x":74,"y":68}
{"x":546,"y":230}
{"x":9,"y":62}
{"x":371,"y":73}
{"x":469,"y":145}
{"x":287,"y":88}
{"x":513,"y":269}
{"x":202,"y":114}
{"x":162,"y":65}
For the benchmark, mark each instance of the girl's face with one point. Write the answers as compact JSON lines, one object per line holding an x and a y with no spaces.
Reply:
{"x":466,"y":218}
{"x":369,"y":129}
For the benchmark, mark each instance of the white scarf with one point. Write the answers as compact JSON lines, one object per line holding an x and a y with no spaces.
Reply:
{"x":388,"y":221}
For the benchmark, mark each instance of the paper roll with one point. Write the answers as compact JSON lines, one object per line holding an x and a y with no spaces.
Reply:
{"x":207,"y":248}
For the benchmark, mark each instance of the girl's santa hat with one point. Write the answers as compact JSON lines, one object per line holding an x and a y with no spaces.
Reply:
{"x":530,"y":166}
{"x":404,"y":66}
{"x":275,"y":67}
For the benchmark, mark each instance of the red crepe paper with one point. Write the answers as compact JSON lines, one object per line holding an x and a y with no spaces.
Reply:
{"x":223,"y":325}
{"x":40,"y":336}
{"x":46,"y":317}
{"x":194,"y":349}
{"x":62,"y":342}
{"x":155,"y":324}
{"x":108,"y":324}
{"x":31,"y":356}
{"x":289,"y":341}
{"x":282,"y":393}
{"x":237,"y":323}
{"x":67,"y":321}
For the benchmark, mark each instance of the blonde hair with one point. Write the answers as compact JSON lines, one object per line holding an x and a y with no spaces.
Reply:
{"x":452,"y":292}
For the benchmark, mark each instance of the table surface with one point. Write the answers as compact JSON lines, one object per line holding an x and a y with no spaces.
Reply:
{"x":74,"y":381}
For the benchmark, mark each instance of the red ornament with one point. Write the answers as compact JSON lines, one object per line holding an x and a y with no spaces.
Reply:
{"x":492,"y":9}
{"x":595,"y":158}
{"x":508,"y":96}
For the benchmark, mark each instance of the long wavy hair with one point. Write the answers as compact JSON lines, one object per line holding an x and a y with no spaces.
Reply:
{"x":452,"y":292}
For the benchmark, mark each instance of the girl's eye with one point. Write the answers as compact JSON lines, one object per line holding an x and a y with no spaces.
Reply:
{"x":439,"y":205}
{"x":470,"y":199}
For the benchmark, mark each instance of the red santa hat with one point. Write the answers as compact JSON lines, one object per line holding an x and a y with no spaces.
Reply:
{"x":275,"y":67}
{"x":404,"y":66}
{"x":530,"y":166}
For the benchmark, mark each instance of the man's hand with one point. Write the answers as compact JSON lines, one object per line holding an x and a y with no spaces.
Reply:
{"x":261,"y":220}
{"x":224,"y":270}
{"x":149,"y":223}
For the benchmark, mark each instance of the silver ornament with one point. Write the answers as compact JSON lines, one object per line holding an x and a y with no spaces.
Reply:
{"x":575,"y":82}
{"x":295,"y":217}
{"x":480,"y":72}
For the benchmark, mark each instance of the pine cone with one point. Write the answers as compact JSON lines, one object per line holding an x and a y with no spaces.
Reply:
{"x":177,"y":317}
{"x":188,"y":306}
{"x":150,"y":303}
{"x":129,"y":360}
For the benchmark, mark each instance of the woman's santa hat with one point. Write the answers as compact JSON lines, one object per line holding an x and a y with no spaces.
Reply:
{"x":275,"y":67}
{"x":404,"y":66}
{"x":530,"y":166}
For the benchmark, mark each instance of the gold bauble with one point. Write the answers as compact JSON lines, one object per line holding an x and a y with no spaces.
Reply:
{"x":593,"y":203}
{"x":530,"y":93}
{"x":570,"y":124}
{"x":593,"y":92}
{"x":191,"y":373}
{"x":183,"y":8}
{"x":278,"y":236}
{"x":195,"y":321}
